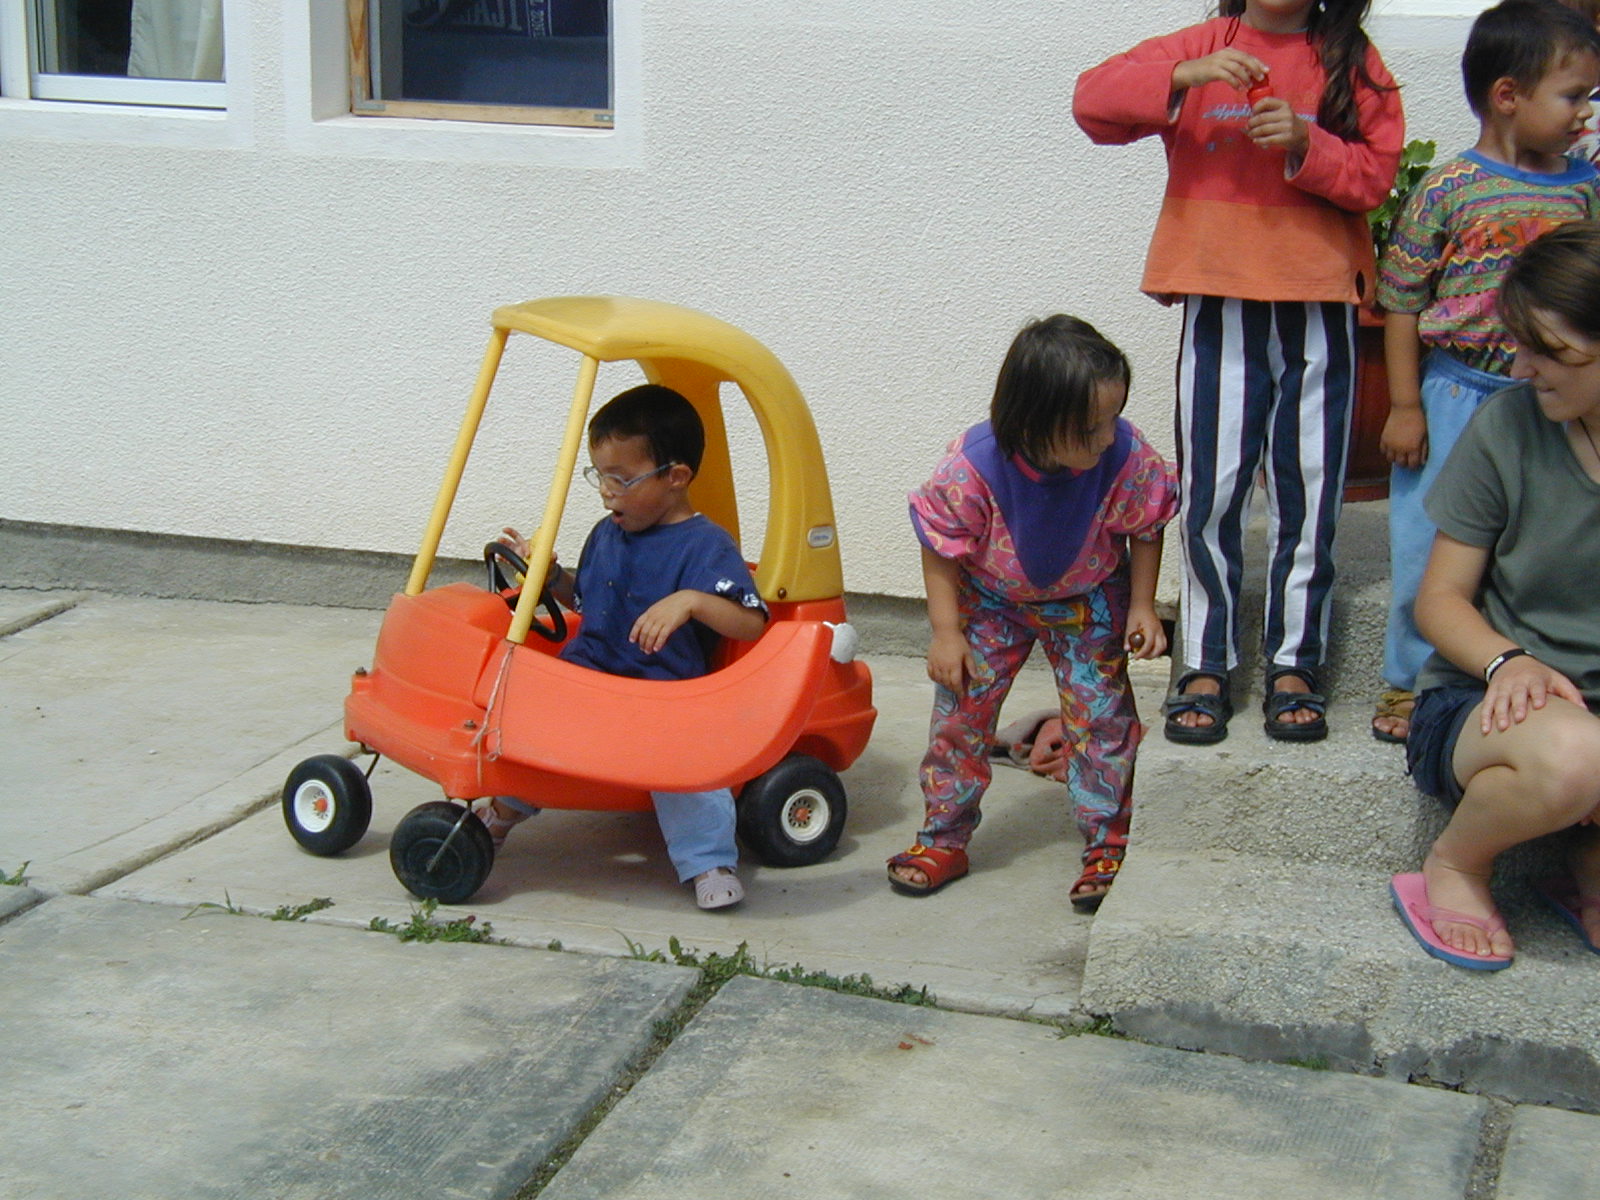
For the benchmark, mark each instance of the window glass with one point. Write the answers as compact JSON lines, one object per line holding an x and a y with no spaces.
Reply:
{"x":151,"y":39}
{"x":163,"y":52}
{"x":543,"y":61}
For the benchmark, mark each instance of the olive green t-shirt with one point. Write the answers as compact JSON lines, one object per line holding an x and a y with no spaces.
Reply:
{"x":1512,"y":485}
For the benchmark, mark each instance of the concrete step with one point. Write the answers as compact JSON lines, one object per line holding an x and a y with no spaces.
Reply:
{"x":1345,"y":801}
{"x":1244,"y":954}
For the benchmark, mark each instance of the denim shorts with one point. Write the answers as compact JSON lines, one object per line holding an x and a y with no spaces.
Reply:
{"x":1436,"y":723}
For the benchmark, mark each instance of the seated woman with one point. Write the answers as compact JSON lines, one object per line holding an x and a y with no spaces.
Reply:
{"x":1504,"y":724}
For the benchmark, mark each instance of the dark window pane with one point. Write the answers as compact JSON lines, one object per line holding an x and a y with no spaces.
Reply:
{"x":538,"y":53}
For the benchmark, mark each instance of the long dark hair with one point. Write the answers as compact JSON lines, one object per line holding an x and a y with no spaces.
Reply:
{"x":1334,"y":28}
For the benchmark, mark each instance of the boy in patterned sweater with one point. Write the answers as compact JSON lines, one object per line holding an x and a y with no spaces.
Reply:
{"x":1529,"y":68}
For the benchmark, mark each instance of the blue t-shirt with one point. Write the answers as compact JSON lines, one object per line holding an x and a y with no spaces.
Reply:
{"x":621,"y":574}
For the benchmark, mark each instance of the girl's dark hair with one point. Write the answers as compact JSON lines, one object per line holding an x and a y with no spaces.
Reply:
{"x":658,"y":414}
{"x":1335,"y":29}
{"x":1521,"y":40}
{"x":1046,"y":387}
{"x":1558,"y":274}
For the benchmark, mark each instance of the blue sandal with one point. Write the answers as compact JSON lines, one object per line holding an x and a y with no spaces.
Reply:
{"x":1219,"y":708}
{"x":1277,"y":703}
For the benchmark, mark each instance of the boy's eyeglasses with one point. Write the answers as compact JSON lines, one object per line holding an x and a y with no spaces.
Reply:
{"x":598,"y":479}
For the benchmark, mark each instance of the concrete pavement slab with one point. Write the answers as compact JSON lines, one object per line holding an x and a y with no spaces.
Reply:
{"x":1007,"y":941}
{"x":776,"y":1090}
{"x":130,"y":726}
{"x":1550,"y":1155}
{"x":150,"y":1055}
{"x":20,"y":609}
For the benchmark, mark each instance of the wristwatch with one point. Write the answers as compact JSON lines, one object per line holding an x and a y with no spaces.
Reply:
{"x":1500,"y":660}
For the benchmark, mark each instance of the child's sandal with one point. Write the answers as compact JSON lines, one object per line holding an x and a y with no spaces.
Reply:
{"x":1277,"y":703}
{"x":1218,"y":707}
{"x":717,"y":888}
{"x":497,"y":825}
{"x":939,"y":864}
{"x":1099,"y":872}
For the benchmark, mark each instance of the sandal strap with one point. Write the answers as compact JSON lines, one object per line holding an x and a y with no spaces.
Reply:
{"x":1305,"y":675}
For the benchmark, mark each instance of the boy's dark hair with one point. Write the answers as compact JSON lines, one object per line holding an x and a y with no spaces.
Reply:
{"x":1558,"y":274}
{"x":1046,"y":386}
{"x":667,"y":422}
{"x":1589,"y":10}
{"x":1334,"y":27}
{"x":1523,"y":40}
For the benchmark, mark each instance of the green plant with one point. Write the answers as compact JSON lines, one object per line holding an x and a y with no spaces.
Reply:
{"x":18,"y":877}
{"x":716,"y":969}
{"x":284,"y":912}
{"x":423,"y":928}
{"x":299,"y":912}
{"x":1415,"y":160}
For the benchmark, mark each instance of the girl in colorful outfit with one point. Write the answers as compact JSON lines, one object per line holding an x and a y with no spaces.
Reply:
{"x":1282,"y":129}
{"x":1041,"y":524}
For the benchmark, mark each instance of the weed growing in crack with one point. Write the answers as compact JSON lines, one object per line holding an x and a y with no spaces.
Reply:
{"x":423,"y":928}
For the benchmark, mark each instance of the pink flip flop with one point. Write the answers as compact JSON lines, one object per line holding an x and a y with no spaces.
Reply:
{"x":1562,"y":895}
{"x":1410,"y":893}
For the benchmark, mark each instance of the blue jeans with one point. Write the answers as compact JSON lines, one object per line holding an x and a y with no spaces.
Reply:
{"x":698,"y":827}
{"x":1451,"y":393}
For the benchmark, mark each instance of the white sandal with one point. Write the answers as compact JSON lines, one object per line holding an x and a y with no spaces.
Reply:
{"x":717,"y":888}
{"x":499,"y":826}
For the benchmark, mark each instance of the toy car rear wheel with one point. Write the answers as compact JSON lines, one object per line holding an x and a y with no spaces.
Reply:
{"x":327,"y":804}
{"x":793,"y":815}
{"x":441,"y":851}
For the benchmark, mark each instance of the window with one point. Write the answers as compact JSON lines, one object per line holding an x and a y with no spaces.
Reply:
{"x":535,"y":62}
{"x":156,"y":52}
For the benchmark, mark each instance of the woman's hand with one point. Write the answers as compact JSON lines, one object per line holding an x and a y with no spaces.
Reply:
{"x":951,"y":662}
{"x":1273,"y":123}
{"x":1230,"y":66}
{"x":1519,"y":685}
{"x":1404,"y":440}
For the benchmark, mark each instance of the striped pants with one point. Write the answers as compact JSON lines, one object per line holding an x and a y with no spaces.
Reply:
{"x":1082,"y":638}
{"x":1262,"y":385}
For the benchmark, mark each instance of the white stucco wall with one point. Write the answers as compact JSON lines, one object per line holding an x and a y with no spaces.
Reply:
{"x":265,"y":324}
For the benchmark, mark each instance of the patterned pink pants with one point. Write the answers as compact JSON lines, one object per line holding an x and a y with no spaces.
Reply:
{"x":1082,"y":637}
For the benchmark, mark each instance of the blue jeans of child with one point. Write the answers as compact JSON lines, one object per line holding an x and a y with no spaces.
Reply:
{"x":698,"y":827}
{"x":1451,"y":393}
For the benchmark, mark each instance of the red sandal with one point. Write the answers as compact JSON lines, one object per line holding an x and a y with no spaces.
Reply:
{"x":1099,"y":872}
{"x":940,"y":864}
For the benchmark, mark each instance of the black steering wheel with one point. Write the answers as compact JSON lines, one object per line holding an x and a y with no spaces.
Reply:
{"x":498,"y":582}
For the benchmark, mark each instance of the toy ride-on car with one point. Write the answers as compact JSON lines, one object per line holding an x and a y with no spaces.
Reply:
{"x":461,"y":695}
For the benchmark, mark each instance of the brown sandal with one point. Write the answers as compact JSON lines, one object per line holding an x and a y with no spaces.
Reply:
{"x":1395,"y":704}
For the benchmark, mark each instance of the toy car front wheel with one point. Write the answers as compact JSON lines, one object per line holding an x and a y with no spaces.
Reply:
{"x":327,"y":804}
{"x":441,"y":851}
{"x":793,"y":815}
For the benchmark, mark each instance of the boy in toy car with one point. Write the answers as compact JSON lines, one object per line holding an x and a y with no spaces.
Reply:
{"x":658,"y":585}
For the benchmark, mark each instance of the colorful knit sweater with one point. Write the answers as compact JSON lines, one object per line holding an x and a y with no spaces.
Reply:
{"x":1238,"y":219}
{"x":1461,"y":229}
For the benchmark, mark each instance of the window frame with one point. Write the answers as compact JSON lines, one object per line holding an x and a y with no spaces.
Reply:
{"x":363,"y":103}
{"x":23,"y":45}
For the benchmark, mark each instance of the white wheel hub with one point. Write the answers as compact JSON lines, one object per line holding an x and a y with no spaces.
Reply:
{"x":805,"y":816}
{"x":314,"y":806}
